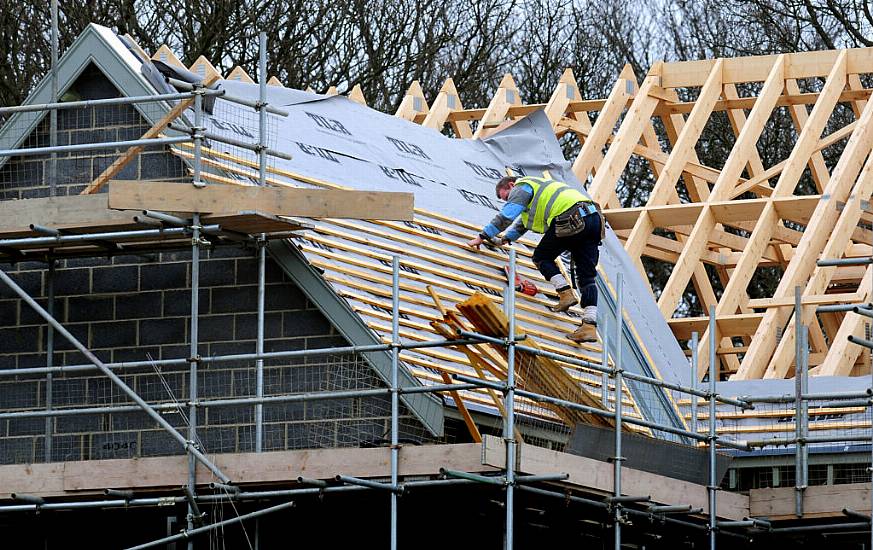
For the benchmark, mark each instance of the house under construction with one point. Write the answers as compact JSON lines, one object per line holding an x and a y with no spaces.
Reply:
{"x":233,"y":313}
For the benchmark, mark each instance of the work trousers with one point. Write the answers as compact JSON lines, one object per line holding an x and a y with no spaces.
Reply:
{"x":584,"y":248}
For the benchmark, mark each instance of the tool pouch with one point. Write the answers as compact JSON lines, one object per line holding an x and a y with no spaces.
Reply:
{"x":569,"y":223}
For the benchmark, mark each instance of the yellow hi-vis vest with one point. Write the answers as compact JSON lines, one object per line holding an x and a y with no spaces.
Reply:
{"x":550,"y":198}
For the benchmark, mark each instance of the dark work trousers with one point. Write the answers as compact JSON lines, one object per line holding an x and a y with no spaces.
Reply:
{"x":585,"y":250}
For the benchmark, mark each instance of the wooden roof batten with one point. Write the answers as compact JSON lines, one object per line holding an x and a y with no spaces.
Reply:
{"x":703,"y":226}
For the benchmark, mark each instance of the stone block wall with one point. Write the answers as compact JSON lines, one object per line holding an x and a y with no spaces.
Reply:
{"x":26,"y":177}
{"x":133,"y":308}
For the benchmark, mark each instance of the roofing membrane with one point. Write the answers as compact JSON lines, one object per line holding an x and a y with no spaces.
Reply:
{"x":336,"y":142}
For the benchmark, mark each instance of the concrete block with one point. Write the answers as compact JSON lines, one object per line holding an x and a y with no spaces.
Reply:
{"x":155,"y":166}
{"x":80,"y":423}
{"x":236,"y":414}
{"x":178,"y":302}
{"x":162,"y":331}
{"x":138,"y":353}
{"x":215,"y":328}
{"x":234,"y":299}
{"x":70,"y":391}
{"x":8,"y":313}
{"x":308,"y":322}
{"x":90,"y":308}
{"x":217,"y":272}
{"x":29,"y":281}
{"x":246,"y":326}
{"x":283,"y":296}
{"x":28,"y":316}
{"x":164,"y":276}
{"x":19,"y":340}
{"x":214,"y":383}
{"x":159,"y":443}
{"x":273,"y":437}
{"x":26,"y":426}
{"x":72,"y":281}
{"x":218,"y":440}
{"x":78,"y":330}
{"x":112,"y":334}
{"x":116,"y":279}
{"x":285,"y":412}
{"x":139,"y":305}
{"x":247,"y":271}
{"x":136,"y":420}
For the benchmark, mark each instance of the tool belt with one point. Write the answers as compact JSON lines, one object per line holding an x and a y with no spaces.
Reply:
{"x":572,"y":221}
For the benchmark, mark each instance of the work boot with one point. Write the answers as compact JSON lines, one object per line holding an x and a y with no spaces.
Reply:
{"x":566,"y":300}
{"x":586,"y":332}
{"x":589,"y":315}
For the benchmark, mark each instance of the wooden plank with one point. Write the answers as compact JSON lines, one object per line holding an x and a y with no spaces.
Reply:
{"x":286,"y":201}
{"x":818,"y":501}
{"x":565,"y":92}
{"x":246,"y":468}
{"x":740,"y":324}
{"x":590,"y":154}
{"x":506,"y":96}
{"x":73,"y":212}
{"x":413,"y":106}
{"x":445,"y":103}
{"x":597,"y":476}
{"x":755,"y":68}
{"x":638,"y":116}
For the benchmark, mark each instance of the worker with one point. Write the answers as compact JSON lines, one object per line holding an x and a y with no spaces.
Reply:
{"x":569,"y":221}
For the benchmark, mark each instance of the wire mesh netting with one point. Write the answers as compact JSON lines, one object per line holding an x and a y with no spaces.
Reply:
{"x":31,"y":176}
{"x":125,"y":431}
{"x":225,"y":161}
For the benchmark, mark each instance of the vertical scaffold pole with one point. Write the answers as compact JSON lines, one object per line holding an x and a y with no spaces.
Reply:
{"x":713,"y":375}
{"x":798,"y":399}
{"x":262,"y":111}
{"x":53,"y":114}
{"x":259,"y":346}
{"x":49,"y":357}
{"x":604,"y":359}
{"x":619,"y":391}
{"x":395,"y":396}
{"x":198,"y":134}
{"x":259,"y":363}
{"x":193,"y":362}
{"x":804,"y":409}
{"x":695,"y":339}
{"x":509,"y":404}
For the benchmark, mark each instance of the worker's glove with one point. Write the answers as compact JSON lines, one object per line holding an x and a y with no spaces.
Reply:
{"x":505,"y":241}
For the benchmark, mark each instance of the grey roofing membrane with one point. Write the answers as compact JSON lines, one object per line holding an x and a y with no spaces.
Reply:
{"x":337,"y":140}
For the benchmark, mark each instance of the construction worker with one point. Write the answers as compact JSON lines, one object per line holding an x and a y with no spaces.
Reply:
{"x":569,"y":221}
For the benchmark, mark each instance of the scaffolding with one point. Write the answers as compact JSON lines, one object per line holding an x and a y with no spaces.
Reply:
{"x":619,"y":505}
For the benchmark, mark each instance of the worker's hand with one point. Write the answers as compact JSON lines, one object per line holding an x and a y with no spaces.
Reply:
{"x":504,"y":241}
{"x":475,"y":242}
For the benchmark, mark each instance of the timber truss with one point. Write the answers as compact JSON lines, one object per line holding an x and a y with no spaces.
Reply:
{"x":737,"y":218}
